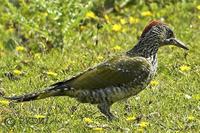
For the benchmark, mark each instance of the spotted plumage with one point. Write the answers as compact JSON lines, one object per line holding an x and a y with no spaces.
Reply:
{"x":117,"y":78}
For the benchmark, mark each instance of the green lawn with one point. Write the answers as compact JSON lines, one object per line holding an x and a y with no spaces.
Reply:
{"x":45,"y":42}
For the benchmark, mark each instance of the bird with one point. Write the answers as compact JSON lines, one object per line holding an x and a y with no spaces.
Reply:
{"x":117,"y":78}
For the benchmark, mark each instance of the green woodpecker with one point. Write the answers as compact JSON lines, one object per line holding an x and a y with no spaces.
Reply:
{"x":117,"y":78}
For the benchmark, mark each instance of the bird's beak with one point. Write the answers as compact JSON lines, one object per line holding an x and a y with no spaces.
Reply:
{"x":176,"y":42}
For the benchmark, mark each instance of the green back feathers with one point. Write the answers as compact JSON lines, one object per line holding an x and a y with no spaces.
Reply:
{"x":114,"y":72}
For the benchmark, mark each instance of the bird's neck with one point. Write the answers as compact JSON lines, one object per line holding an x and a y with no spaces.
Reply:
{"x":148,"y":44}
{"x":147,"y":49}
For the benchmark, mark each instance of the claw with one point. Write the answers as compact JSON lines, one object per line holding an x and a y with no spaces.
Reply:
{"x":105,"y":109}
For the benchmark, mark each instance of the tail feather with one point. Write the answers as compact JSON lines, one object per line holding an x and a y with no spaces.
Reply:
{"x":59,"y":90}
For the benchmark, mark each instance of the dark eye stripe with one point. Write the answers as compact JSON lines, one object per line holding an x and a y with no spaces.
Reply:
{"x":170,"y":33}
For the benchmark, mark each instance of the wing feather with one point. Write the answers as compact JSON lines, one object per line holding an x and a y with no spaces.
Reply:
{"x":115,"y":72}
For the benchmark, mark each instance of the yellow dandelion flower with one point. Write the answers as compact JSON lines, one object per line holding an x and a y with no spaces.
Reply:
{"x":117,"y":27}
{"x":191,"y":118}
{"x":184,"y":68}
{"x":11,"y":30}
{"x":196,"y":97}
{"x":146,"y":13}
{"x":90,"y":14}
{"x":37,"y":55}
{"x":17,"y":72}
{"x":53,"y":74}
{"x":4,"y":102}
{"x":99,"y":57}
{"x":97,"y":129}
{"x":199,"y":17}
{"x":198,"y":7}
{"x":39,"y":116}
{"x":143,"y":124}
{"x":107,"y":18}
{"x":117,"y":48}
{"x":87,"y":120}
{"x":20,"y":48}
{"x":123,"y":21}
{"x":133,"y":20}
{"x":130,"y":118}
{"x":154,"y":83}
{"x":82,"y":28}
{"x":45,"y":14}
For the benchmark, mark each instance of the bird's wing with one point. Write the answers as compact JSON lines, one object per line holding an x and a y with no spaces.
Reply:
{"x":114,"y":72}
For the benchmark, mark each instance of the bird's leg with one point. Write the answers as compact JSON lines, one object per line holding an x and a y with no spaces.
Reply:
{"x":105,"y":109}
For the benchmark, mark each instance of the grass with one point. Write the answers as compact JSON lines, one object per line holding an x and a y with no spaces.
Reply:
{"x":169,"y":104}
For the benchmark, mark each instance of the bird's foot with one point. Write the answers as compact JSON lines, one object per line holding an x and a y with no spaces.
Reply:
{"x":112,"y":117}
{"x":105,"y":109}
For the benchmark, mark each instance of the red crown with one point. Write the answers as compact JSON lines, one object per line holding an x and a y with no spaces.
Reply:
{"x":149,"y":26}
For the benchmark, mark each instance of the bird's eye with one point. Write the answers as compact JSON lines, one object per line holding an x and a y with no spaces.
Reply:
{"x":170,"y":34}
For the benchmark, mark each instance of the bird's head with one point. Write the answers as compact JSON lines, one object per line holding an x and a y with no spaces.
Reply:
{"x":161,"y":34}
